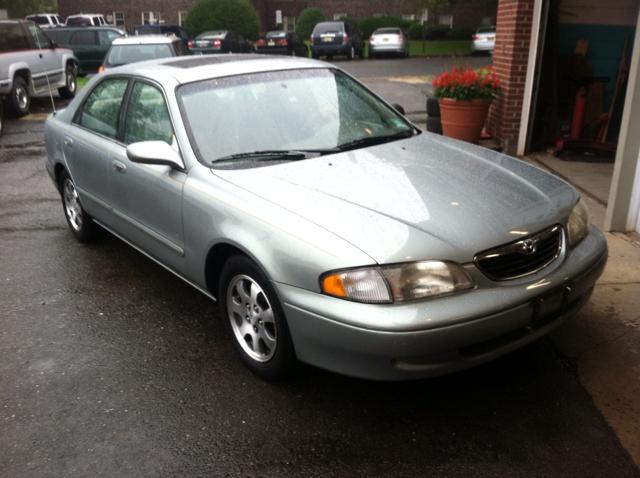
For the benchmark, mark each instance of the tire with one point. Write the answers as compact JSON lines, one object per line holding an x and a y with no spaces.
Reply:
{"x":254,"y":318}
{"x":80,"y":223}
{"x":361,"y":54}
{"x":69,"y":90}
{"x":434,"y":125}
{"x":20,"y":97}
{"x":433,"y":107}
{"x":351,"y":53}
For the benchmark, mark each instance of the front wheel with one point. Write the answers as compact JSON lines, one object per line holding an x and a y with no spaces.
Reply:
{"x":68,"y":91}
{"x":80,"y":223}
{"x":255,"y":320}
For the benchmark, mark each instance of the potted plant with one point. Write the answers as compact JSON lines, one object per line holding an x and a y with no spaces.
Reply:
{"x":464,"y":96}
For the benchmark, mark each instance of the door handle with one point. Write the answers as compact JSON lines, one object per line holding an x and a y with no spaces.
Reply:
{"x":68,"y":141}
{"x":119,"y":167}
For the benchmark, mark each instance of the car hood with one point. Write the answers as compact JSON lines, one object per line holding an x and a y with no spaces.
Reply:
{"x":425,"y":197}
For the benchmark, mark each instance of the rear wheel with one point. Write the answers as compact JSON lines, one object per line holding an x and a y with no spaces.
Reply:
{"x":80,"y":223}
{"x":20,"y":97}
{"x":351,"y":53}
{"x":252,"y":313}
{"x":69,"y":90}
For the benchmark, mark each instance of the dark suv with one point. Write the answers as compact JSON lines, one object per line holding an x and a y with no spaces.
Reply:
{"x":89,"y":44}
{"x":336,"y":38}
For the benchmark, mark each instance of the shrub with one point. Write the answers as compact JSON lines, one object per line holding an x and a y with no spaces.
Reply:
{"x":461,"y":33}
{"x":415,"y":31}
{"x":236,"y":15}
{"x":308,"y":19}
{"x":370,"y":24}
{"x":437,"y":32}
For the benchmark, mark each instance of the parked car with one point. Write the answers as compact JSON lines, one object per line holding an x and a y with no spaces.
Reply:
{"x":484,"y":39}
{"x":133,"y":49}
{"x":336,"y":38}
{"x":220,"y":41}
{"x":279,"y":42}
{"x":177,"y":30}
{"x":329,"y":228}
{"x":86,"y":20}
{"x":30,"y":64}
{"x":47,"y":20}
{"x":89,"y":44}
{"x":388,"y":40}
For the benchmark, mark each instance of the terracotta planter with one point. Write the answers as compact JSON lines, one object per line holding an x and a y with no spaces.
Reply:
{"x":463,"y":120}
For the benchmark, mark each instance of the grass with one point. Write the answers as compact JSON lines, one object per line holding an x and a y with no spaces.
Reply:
{"x":82,"y":81}
{"x":440,"y":48}
{"x":433,"y":48}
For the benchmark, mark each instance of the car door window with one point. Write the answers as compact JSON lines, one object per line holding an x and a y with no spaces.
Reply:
{"x":147,"y":116}
{"x":42,"y":40}
{"x":181,"y":49}
{"x":83,"y":37}
{"x":101,"y":109}
{"x":105,"y":38}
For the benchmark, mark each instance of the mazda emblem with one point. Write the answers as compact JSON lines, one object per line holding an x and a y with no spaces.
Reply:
{"x":529,"y":246}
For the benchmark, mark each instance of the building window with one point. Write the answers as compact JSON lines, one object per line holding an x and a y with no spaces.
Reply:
{"x":288,"y":23}
{"x":486,"y":21}
{"x":182,"y":16}
{"x":150,"y":18}
{"x":408,"y":16}
{"x":446,"y":20}
{"x":118,"y":19}
{"x":338,"y":16}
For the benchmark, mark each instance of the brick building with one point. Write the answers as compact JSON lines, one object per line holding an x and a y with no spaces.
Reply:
{"x":127,"y":13}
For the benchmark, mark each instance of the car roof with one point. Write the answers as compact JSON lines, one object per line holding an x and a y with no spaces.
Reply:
{"x":189,"y":69}
{"x":146,"y":40}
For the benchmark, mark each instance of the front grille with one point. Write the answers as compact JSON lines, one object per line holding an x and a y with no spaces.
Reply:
{"x":523,"y":257}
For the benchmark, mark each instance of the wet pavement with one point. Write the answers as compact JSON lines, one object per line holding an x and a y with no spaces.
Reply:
{"x":111,"y":366}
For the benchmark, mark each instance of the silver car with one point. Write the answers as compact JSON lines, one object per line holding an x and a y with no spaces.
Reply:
{"x":388,"y":40}
{"x":330,"y":229}
{"x":484,"y":40}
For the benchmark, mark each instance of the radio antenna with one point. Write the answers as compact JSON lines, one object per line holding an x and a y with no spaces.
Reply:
{"x":46,"y":73}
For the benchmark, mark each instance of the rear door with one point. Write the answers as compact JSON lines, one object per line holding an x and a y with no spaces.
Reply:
{"x":45,"y":61}
{"x":85,"y":47}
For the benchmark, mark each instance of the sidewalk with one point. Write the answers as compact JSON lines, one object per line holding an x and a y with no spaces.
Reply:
{"x":604,"y":338}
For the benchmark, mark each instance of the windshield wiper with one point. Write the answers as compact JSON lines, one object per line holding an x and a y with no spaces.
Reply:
{"x":373,"y":140}
{"x":292,"y":155}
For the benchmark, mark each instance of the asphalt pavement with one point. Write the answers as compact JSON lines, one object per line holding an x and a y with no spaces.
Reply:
{"x":111,"y":366}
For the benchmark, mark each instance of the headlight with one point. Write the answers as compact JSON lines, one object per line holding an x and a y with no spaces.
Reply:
{"x":397,"y":283}
{"x":578,"y":225}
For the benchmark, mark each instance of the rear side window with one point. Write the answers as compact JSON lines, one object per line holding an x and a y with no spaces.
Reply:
{"x":105,"y":38}
{"x":329,"y":27}
{"x":101,"y":109}
{"x":12,"y":38}
{"x":57,"y":35}
{"x":86,"y":37}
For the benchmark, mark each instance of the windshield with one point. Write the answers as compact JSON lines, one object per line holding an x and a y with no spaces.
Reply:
{"x":276,"y":34}
{"x":124,"y":54}
{"x":298,"y":110}
{"x":388,"y":31}
{"x":486,"y":30}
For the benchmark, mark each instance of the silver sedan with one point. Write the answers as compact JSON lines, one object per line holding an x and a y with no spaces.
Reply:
{"x":329,"y":229}
{"x":388,"y":40}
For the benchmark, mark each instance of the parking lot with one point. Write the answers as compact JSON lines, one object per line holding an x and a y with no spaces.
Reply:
{"x":111,"y":366}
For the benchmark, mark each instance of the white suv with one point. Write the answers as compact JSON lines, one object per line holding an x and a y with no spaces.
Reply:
{"x":47,"y":20}
{"x":87,"y":20}
{"x":30,"y":63}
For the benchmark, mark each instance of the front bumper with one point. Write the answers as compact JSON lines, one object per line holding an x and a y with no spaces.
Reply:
{"x":326,"y":334}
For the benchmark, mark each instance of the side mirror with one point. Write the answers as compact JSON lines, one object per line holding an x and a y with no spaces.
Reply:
{"x":155,"y":152}
{"x":398,"y":108}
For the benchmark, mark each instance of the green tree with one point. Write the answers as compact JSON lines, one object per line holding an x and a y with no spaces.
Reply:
{"x":22,"y":8}
{"x":308,"y":19}
{"x":236,"y":15}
